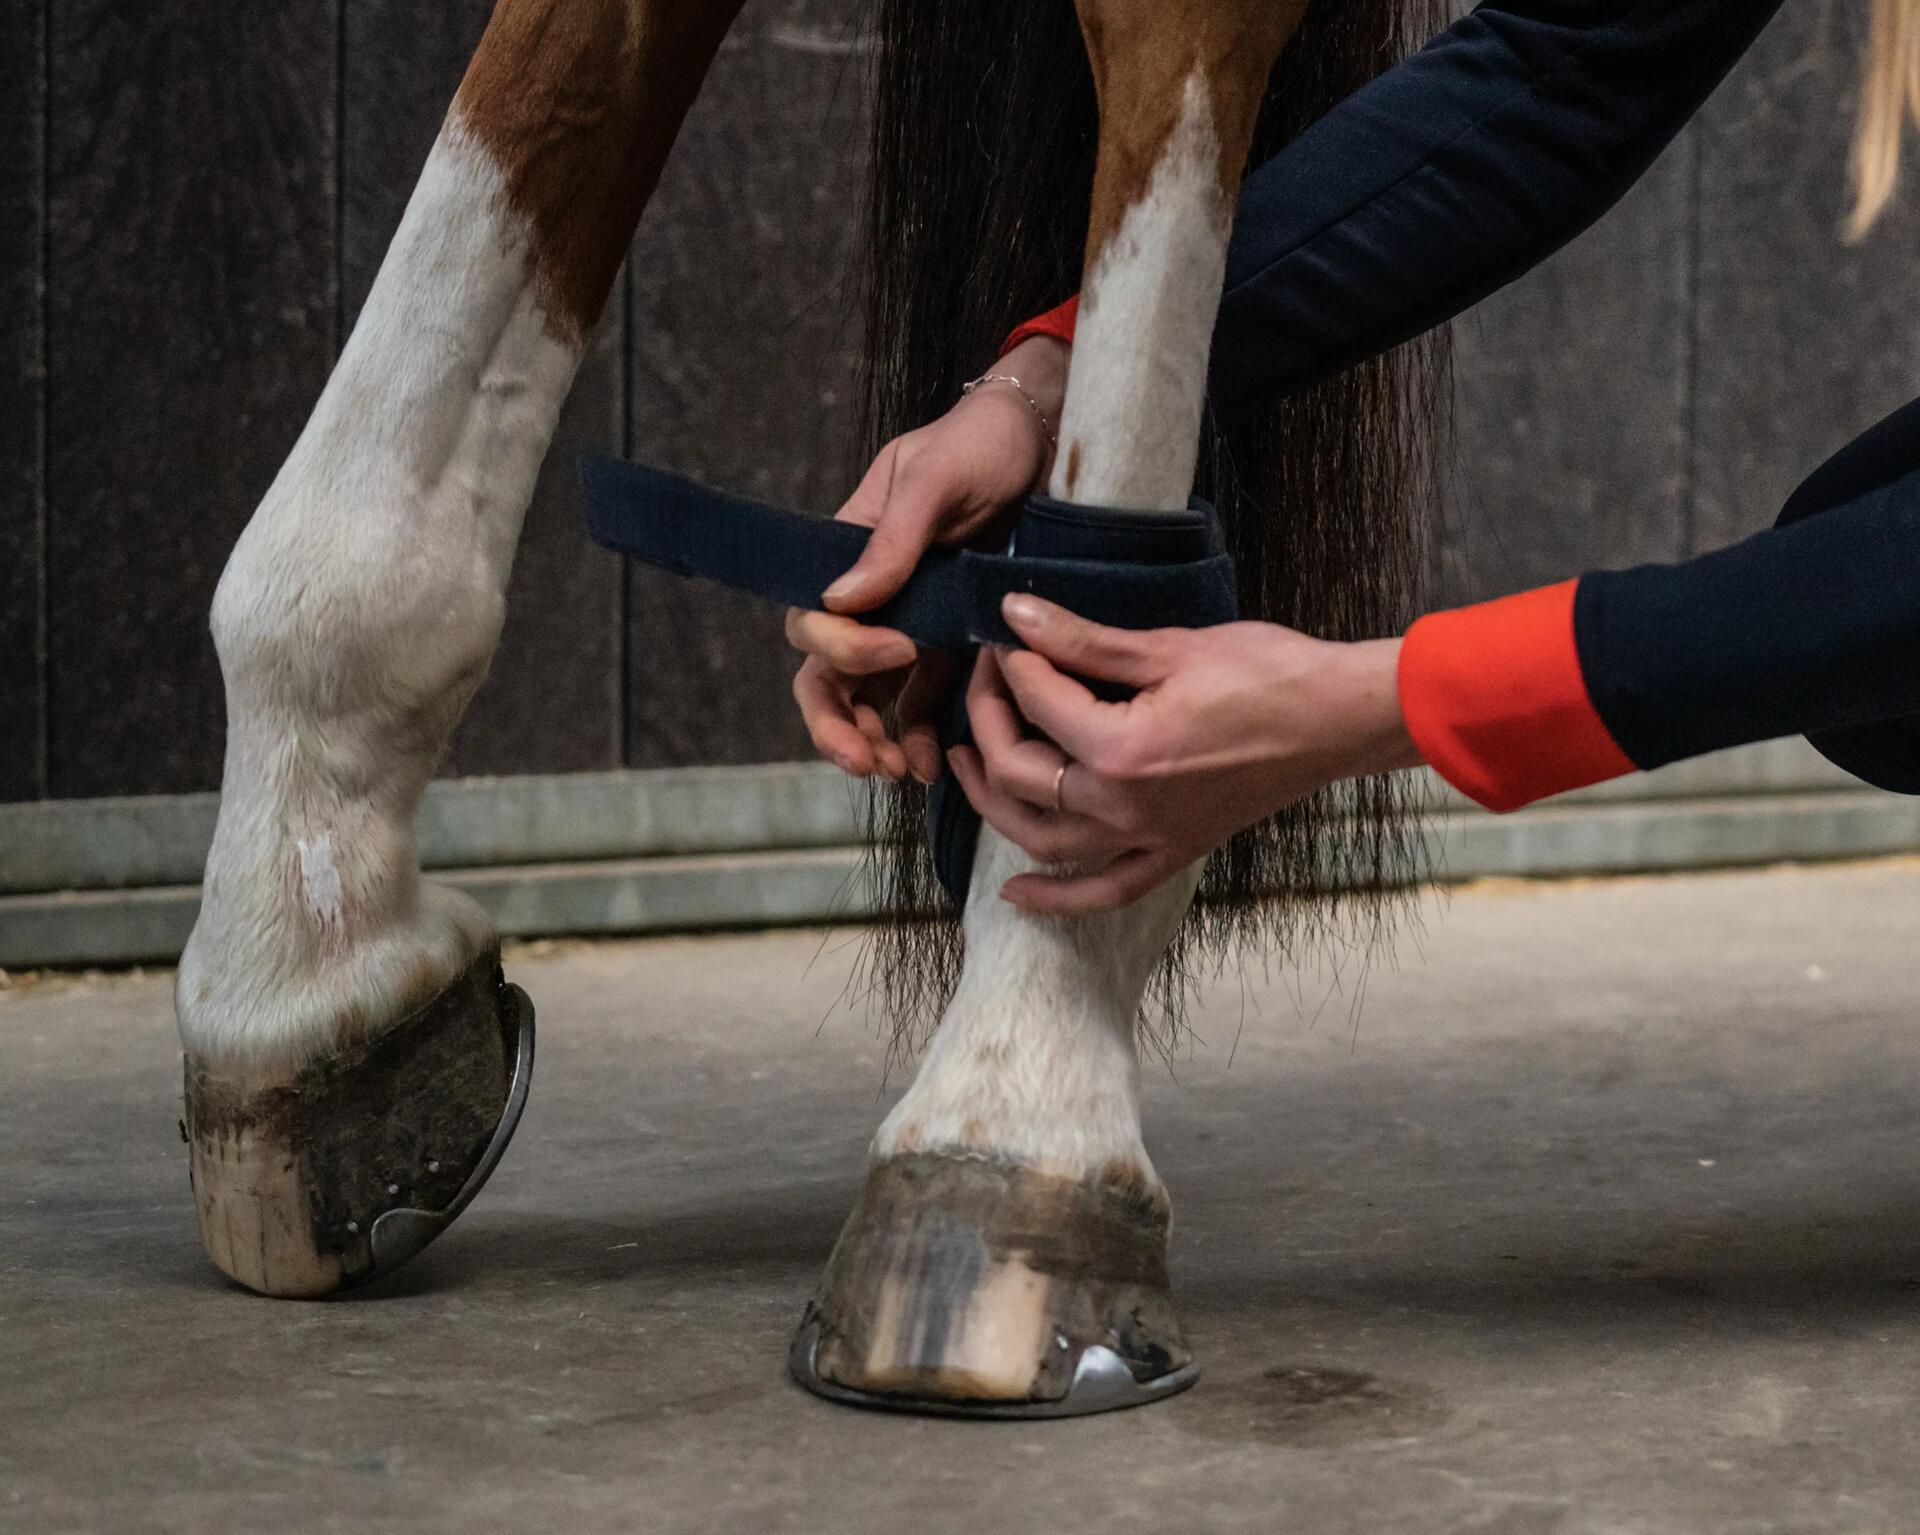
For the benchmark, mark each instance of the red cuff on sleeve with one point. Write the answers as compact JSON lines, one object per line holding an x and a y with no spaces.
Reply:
{"x":1495,"y":700}
{"x":1057,"y":323}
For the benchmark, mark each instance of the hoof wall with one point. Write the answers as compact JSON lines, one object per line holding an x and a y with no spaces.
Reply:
{"x":974,"y":1288}
{"x":1102,"y":1382}
{"x":341,"y":1175}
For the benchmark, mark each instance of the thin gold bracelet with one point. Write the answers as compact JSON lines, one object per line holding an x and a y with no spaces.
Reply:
{"x":1020,"y":389}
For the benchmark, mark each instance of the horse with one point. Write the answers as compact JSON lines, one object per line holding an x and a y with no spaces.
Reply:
{"x":356,"y":1059}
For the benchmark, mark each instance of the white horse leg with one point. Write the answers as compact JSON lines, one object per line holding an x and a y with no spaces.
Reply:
{"x":1011,"y":1220}
{"x":348,"y":1036}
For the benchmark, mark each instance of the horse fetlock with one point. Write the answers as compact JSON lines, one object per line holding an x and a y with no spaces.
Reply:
{"x":348,"y":659}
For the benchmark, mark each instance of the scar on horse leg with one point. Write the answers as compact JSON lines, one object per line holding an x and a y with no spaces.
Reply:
{"x":354,"y":1057}
{"x":1008,"y":1251}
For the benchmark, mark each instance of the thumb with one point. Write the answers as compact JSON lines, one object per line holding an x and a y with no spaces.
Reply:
{"x":1075,"y":644}
{"x":908,"y":510}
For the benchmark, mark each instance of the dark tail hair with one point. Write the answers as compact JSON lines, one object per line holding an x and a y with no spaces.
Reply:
{"x":983,"y":138}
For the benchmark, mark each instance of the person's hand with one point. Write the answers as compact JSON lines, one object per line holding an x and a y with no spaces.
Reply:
{"x":1230,"y":724}
{"x":950,"y":482}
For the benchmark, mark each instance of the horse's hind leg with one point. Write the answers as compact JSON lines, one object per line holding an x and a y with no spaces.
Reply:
{"x":1008,"y":1251}
{"x":354,"y":1057}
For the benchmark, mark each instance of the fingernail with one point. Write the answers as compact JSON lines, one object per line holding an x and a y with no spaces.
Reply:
{"x":845,"y":586}
{"x":1021,"y":609}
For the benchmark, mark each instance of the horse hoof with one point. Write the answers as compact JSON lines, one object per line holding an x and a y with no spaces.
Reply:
{"x":341,"y":1175}
{"x":975,"y":1288}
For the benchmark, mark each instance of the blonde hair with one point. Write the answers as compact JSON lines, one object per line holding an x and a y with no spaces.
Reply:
{"x":1888,"y":92}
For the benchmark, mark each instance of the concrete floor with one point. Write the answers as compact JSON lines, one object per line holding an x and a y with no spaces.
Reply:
{"x":1602,"y":1217}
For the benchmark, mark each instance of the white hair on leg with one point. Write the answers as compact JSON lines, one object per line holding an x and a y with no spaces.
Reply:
{"x":357,"y":615}
{"x":1036,"y":1054}
{"x":1035,"y":1058}
{"x":1130,"y":428}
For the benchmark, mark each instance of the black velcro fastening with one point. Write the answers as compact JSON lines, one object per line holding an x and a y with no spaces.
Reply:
{"x":1125,"y":569}
{"x":951,"y":602}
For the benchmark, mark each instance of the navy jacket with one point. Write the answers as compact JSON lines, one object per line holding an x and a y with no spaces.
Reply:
{"x":1460,"y":169}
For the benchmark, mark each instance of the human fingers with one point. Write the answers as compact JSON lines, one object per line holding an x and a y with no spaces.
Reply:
{"x":1085,"y":728}
{"x":923,"y":700}
{"x":1120,"y":883}
{"x":847,"y":645}
{"x":1136,"y":657}
{"x":1016,"y":763}
{"x":887,"y":754}
{"x":907,"y":499}
{"x":827,"y":709}
{"x":1051,"y":838}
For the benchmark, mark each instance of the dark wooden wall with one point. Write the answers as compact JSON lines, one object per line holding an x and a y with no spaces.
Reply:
{"x":194,"y":200}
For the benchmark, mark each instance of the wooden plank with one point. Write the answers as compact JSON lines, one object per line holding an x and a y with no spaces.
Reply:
{"x":22,"y":399}
{"x":1804,"y":340}
{"x":705,"y":892}
{"x":552,"y":702}
{"x":744,"y":350}
{"x":1571,"y":387}
{"x":138,"y":841}
{"x":190,"y":304}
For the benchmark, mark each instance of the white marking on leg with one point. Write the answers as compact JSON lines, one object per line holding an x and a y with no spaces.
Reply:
{"x":354,"y":620}
{"x":1035,"y":1058}
{"x":320,"y":881}
{"x":1130,"y":427}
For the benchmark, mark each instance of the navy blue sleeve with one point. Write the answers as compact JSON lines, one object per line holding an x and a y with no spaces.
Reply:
{"x":1453,"y":173}
{"x":1810,"y":627}
{"x":1468,"y":164}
